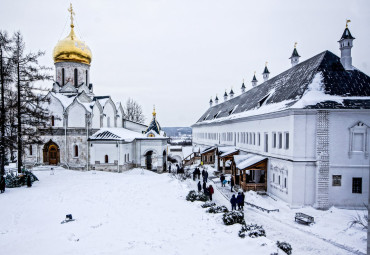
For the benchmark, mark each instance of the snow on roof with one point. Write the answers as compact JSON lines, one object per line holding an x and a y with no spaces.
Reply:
{"x":228,"y":153}
{"x":244,"y":161}
{"x":208,"y":149}
{"x":320,"y":82}
{"x":65,"y":100}
{"x":224,"y":149}
{"x":116,"y":134}
{"x":88,"y":106}
{"x":186,"y":151}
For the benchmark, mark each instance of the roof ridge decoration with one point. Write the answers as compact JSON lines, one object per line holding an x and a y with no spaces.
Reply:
{"x":291,"y":85}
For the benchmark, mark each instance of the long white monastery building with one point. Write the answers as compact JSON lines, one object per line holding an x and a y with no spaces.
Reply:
{"x":302,"y":135}
{"x":89,"y":131}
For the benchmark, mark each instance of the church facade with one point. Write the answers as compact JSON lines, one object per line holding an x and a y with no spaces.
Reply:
{"x":302,"y":136}
{"x":88,"y":131}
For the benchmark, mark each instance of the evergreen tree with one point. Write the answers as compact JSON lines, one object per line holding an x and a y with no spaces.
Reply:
{"x":5,"y":79}
{"x":30,"y":109}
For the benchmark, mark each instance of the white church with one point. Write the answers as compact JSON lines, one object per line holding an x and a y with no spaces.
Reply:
{"x":302,"y":136}
{"x":87,"y":131}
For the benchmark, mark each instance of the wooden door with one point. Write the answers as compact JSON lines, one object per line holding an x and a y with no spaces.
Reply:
{"x":53,"y":155}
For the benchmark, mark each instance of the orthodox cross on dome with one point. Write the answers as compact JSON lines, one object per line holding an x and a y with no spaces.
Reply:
{"x":154,"y":113}
{"x":70,"y":10}
{"x":347,"y":21}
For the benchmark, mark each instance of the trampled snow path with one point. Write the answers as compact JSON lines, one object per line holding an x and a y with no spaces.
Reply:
{"x":303,"y":241}
{"x":128,"y":213}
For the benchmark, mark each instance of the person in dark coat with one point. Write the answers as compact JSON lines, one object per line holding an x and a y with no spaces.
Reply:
{"x":29,"y":183}
{"x":169,"y":168}
{"x":233,"y":202}
{"x":239,"y":200}
{"x":205,"y":175}
{"x":198,"y":173}
{"x":194,"y":174}
{"x":210,"y":192}
{"x":199,"y":186}
{"x":222,"y":179}
{"x":178,"y":168}
{"x":204,"y":187}
{"x":232,"y":183}
{"x":243,"y":199}
{"x":2,"y":184}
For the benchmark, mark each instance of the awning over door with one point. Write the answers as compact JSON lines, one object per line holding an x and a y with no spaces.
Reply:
{"x":249,"y":162}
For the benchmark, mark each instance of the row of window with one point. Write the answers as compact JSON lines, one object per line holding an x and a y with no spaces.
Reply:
{"x":75,"y":77}
{"x":356,"y":183}
{"x":280,"y":140}
{"x":52,"y":120}
{"x":278,"y":181}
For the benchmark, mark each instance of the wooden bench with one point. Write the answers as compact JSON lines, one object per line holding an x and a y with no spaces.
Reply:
{"x":304,"y":218}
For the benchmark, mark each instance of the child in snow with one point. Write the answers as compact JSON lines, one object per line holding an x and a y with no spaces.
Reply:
{"x":222,"y":179}
{"x":233,"y":202}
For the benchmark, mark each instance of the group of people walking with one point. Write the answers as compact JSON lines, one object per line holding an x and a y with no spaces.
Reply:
{"x":206,"y":190}
{"x":239,"y":200}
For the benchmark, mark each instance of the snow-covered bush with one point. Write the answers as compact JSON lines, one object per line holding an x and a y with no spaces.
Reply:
{"x":208,"y":204}
{"x":287,"y":248}
{"x":217,"y":209}
{"x":13,"y":181}
{"x":233,"y":217}
{"x":194,"y":196}
{"x":252,"y":230}
{"x":360,"y":220}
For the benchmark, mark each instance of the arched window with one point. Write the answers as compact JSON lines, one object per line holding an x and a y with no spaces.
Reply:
{"x":87,"y":73}
{"x":125,"y":158}
{"x":106,"y":158}
{"x":76,"y":77}
{"x":75,"y":149}
{"x":52,"y":120}
{"x":30,"y":150}
{"x":63,"y":76}
{"x":128,"y":157}
{"x":108,"y":122}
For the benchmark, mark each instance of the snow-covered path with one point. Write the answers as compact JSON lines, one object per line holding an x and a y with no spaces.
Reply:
{"x":129,"y":213}
{"x":302,"y":241}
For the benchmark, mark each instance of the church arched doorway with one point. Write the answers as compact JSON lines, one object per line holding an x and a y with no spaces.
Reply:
{"x":51,"y":153}
{"x":148,"y":160}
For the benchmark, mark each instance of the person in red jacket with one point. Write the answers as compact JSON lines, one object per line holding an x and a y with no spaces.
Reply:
{"x":210,"y":192}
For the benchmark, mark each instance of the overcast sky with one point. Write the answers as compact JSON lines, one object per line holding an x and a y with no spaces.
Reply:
{"x":177,"y":54}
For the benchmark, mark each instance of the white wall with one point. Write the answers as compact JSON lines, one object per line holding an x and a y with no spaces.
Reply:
{"x":56,"y":108}
{"x":76,"y":116}
{"x":96,"y":117}
{"x":109,"y":112}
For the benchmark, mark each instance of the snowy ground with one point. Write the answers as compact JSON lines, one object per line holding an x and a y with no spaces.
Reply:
{"x":139,"y":212}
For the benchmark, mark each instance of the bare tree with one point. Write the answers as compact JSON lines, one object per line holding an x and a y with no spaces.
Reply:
{"x":133,"y":111}
{"x":29,"y":104}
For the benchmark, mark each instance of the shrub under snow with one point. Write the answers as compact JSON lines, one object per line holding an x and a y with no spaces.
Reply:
{"x":217,"y":209}
{"x":287,"y":248}
{"x":194,"y":196}
{"x":252,"y":230}
{"x":233,"y":217}
{"x":208,"y":204}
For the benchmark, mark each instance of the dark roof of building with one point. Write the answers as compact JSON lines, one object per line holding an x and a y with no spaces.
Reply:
{"x":346,"y":34}
{"x":266,"y":70}
{"x":216,"y":98}
{"x":294,"y":53}
{"x":292,"y":84}
{"x":154,"y":125}
{"x":243,"y":86}
{"x":100,"y":97}
{"x":211,"y":100}
{"x":225,"y":95}
{"x":231,"y":92}
{"x":254,"y":78}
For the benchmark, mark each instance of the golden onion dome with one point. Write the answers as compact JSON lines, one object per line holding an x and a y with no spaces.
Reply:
{"x":71,"y":48}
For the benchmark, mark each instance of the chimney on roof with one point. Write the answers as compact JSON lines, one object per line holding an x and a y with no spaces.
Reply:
{"x":210,"y":102}
{"x":294,"y":59}
{"x":265,"y":73}
{"x":231,"y":93}
{"x":254,"y":80}
{"x":345,"y":46}
{"x":225,"y":96}
{"x":243,"y":87}
{"x":216,"y":100}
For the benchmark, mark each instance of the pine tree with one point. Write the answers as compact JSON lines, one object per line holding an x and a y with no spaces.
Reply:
{"x":30,"y":109}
